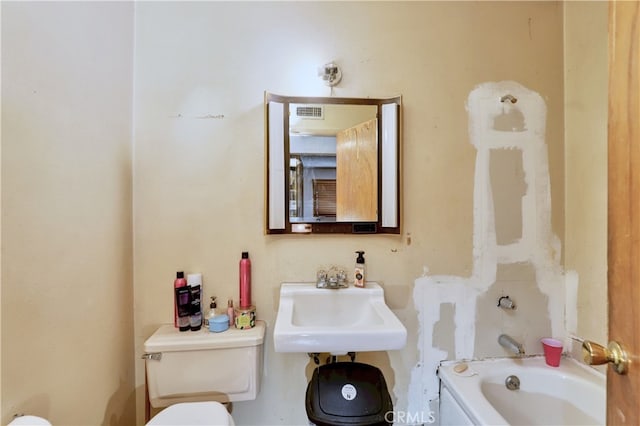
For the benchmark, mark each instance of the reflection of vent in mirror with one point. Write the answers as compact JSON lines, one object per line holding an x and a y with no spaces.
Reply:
{"x":310,"y":111}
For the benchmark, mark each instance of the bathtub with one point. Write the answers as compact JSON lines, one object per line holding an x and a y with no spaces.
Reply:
{"x":571,"y":394}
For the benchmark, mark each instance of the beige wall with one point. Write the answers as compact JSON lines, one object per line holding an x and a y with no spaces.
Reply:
{"x":586,"y":161}
{"x":198,"y":186}
{"x":198,"y":183}
{"x":67,"y":322}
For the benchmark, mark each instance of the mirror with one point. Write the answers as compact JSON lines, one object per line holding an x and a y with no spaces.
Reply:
{"x":333,"y":165}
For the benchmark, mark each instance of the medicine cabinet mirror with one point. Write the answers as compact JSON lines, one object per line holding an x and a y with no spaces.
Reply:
{"x":333,"y":165}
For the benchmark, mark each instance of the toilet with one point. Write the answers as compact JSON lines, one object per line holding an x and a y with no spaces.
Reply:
{"x":193,"y":413}
{"x":193,"y":373}
{"x":21,"y":420}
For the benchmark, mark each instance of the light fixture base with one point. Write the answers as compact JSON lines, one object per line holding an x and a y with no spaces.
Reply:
{"x":330,"y":73}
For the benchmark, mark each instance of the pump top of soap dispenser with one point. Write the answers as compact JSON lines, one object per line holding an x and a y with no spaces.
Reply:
{"x":360,"y":258}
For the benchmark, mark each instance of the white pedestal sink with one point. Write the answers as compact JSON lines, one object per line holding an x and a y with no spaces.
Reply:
{"x":338,"y":321}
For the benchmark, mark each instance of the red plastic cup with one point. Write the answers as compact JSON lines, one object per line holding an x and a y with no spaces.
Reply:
{"x":552,"y":351}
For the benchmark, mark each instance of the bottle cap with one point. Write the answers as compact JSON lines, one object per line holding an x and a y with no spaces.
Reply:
{"x":194,"y":279}
{"x":180,"y":274}
{"x":245,"y":254}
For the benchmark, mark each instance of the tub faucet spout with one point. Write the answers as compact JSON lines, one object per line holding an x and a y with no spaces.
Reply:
{"x":510,"y":344}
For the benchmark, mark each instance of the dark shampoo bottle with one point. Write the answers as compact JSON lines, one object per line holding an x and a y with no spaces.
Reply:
{"x":183,"y":298}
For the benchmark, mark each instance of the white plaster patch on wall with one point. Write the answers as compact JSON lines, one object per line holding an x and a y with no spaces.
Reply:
{"x":494,"y":125}
{"x":484,"y":108}
{"x":538,"y":244}
{"x":439,"y":290}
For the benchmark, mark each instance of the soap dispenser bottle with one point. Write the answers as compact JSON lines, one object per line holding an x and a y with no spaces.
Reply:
{"x":358,"y":276}
{"x":212,"y":311}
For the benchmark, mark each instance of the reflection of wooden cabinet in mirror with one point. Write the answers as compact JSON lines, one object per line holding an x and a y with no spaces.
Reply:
{"x":357,"y":173}
{"x":343,"y":157}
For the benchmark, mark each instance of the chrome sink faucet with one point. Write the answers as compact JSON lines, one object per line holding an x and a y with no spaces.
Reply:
{"x":334,"y":278}
{"x":510,"y":344}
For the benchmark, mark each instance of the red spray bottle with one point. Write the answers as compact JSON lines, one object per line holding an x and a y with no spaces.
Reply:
{"x":245,"y":280}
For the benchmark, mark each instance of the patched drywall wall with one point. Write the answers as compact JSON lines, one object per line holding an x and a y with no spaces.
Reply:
{"x":507,"y":124}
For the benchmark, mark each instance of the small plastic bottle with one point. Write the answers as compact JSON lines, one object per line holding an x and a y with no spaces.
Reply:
{"x":231,"y":313}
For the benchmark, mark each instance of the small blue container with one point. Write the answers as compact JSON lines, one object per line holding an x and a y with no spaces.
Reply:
{"x":219,"y":323}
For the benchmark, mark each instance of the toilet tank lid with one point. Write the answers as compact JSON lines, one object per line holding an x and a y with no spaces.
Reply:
{"x":167,"y":338}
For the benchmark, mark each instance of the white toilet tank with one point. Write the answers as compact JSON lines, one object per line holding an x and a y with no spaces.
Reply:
{"x":203,"y":366}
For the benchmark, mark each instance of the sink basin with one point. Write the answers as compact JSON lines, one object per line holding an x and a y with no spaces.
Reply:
{"x":338,"y":321}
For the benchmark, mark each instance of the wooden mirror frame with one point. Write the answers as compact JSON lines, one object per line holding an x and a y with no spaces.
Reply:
{"x":277,"y":149}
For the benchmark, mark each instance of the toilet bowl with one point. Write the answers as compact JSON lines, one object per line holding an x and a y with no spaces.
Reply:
{"x":207,"y":413}
{"x":29,"y":421}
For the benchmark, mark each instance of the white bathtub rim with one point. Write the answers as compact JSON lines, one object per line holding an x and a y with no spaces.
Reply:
{"x":482,"y":411}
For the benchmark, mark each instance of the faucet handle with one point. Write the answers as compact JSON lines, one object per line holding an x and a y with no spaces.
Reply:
{"x":505,"y":302}
{"x":321,"y":278}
